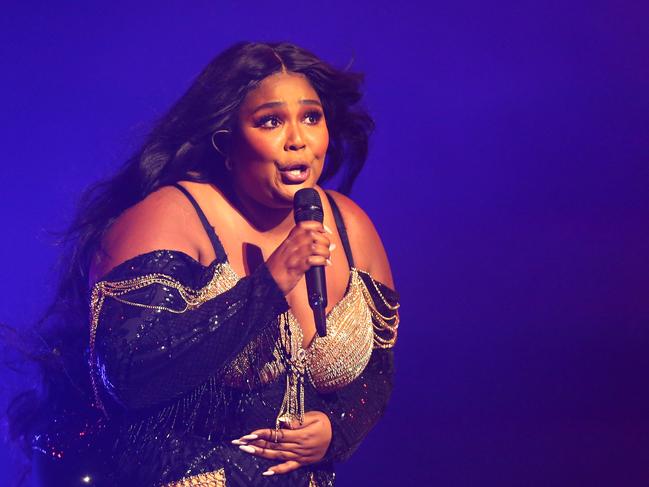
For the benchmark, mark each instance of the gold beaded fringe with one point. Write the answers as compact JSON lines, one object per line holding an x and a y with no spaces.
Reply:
{"x":224,"y":278}
{"x":208,"y":479}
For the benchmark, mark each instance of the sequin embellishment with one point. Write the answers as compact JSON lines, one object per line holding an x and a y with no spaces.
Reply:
{"x":354,"y":327}
{"x":223,"y":279}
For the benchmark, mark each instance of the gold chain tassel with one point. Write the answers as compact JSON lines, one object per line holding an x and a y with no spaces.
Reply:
{"x":292,"y":408}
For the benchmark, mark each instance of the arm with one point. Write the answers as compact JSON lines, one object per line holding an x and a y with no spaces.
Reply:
{"x":349,"y":413}
{"x":159,"y":332}
{"x":142,"y":348}
{"x":355,"y":409}
{"x":367,"y":247}
{"x":152,"y":344}
{"x":352,"y":411}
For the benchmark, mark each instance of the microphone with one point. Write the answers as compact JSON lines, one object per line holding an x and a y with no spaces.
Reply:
{"x":307,"y":206}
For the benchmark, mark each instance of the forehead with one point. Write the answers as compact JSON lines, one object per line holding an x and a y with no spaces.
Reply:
{"x":281,"y":87}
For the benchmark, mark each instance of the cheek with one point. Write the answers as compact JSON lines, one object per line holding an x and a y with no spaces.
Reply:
{"x":267,"y":147}
{"x":319,"y":143}
{"x":259,"y":145}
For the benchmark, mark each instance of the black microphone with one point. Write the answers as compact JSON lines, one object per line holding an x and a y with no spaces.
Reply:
{"x":307,"y":206}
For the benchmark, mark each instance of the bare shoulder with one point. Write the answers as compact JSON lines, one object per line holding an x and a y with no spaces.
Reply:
{"x":164,"y":219}
{"x":367,"y":248}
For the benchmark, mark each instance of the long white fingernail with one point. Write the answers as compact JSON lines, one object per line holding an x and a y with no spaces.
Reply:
{"x":238,"y":442}
{"x":247,"y":448}
{"x":328,"y":261}
{"x":332,"y":247}
{"x":268,"y":473}
{"x":327,"y":229}
{"x":249,"y":437}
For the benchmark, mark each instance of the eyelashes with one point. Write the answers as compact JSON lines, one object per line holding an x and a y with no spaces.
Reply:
{"x":315,"y":116}
{"x":267,"y":122}
{"x":272,"y":121}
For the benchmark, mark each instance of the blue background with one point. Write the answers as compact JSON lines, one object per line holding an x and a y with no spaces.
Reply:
{"x":508,"y":177}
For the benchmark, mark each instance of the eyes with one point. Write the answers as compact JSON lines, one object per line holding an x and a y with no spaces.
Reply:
{"x":272,"y":121}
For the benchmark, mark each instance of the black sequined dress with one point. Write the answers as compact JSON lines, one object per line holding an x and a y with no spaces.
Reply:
{"x":185,"y":358}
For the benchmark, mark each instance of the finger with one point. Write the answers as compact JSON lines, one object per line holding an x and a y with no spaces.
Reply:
{"x":308,"y":420}
{"x":268,"y":434}
{"x":296,"y":425}
{"x":293,"y":425}
{"x":284,"y":435}
{"x":314,"y":260}
{"x":320,"y":249}
{"x":265,"y":434}
{"x":269,"y":453}
{"x":311,"y":225}
{"x":315,"y":238}
{"x":271,"y":445}
{"x":283,"y":468}
{"x":319,"y":235}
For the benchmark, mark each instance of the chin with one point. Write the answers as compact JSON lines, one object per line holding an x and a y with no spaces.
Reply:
{"x":287,"y":192}
{"x":280,"y":199}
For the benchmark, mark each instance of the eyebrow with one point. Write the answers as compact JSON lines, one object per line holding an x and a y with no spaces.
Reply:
{"x":275,"y":104}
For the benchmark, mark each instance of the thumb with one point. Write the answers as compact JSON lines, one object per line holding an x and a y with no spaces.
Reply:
{"x":309,"y":419}
{"x":294,"y":425}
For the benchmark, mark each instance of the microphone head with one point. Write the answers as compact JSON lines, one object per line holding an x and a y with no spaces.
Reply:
{"x":307,"y":205}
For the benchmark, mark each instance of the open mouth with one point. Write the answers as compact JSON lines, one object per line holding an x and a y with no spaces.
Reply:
{"x":294,"y":173}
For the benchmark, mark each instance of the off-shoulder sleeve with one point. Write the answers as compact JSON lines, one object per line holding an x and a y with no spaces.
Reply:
{"x":356,"y":408}
{"x":162,"y":324}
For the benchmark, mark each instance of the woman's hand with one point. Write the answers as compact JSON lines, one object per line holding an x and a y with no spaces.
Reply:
{"x":307,"y":245}
{"x":295,"y":446}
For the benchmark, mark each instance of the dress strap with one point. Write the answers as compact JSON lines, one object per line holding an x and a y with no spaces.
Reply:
{"x":340,"y":225}
{"x":209,"y":229}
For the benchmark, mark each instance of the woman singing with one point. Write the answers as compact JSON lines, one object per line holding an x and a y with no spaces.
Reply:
{"x":202,"y":365}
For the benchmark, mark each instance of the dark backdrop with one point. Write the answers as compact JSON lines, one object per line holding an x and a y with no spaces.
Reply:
{"x":508,"y":177}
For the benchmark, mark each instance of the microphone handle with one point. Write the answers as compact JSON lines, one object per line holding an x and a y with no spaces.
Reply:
{"x":316,"y":287}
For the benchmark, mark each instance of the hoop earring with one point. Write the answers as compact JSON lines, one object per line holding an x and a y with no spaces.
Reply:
{"x":227,"y":164}
{"x":216,"y":147}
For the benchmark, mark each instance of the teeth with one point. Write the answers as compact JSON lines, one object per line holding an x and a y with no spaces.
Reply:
{"x":295,"y":172}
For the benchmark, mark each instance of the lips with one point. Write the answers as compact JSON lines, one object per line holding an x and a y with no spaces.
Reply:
{"x":295,"y":173}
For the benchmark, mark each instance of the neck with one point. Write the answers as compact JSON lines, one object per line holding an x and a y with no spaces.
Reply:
{"x":263,"y":218}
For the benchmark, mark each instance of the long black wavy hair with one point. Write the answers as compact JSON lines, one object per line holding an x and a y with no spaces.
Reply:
{"x":179,"y":147}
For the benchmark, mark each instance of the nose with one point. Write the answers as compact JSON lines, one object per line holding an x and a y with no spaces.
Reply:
{"x":294,"y":141}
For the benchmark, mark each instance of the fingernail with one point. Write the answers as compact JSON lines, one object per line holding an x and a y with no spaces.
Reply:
{"x":249,"y":437}
{"x":239,"y":442}
{"x":327,"y":229}
{"x":332,"y":247}
{"x":268,"y":473}
{"x":328,"y":261}
{"x":247,"y":448}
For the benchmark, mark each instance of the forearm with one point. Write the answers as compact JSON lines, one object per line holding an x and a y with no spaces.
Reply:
{"x":355,"y":409}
